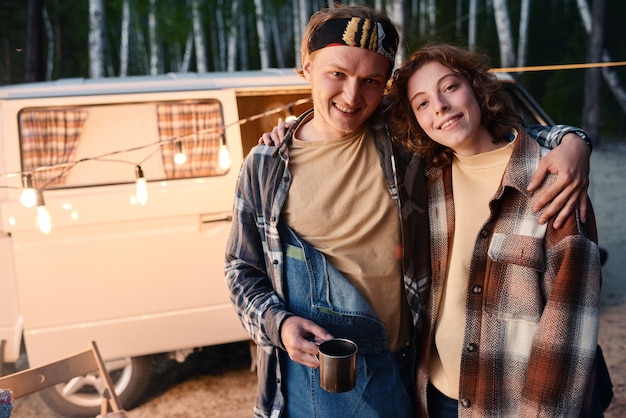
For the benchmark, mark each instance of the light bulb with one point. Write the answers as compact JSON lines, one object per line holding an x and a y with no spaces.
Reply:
{"x":44,"y":220}
{"x":28,"y":198}
{"x":291,"y":116}
{"x":142,"y":187}
{"x":179,"y":156}
{"x":224,"y":157}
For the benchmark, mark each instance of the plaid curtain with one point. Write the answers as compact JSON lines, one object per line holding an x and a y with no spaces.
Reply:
{"x":187,"y":122}
{"x":49,"y":138}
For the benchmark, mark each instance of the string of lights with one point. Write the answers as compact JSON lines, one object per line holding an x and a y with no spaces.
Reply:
{"x":33,"y":197}
{"x":178,"y":140}
{"x":559,"y":67}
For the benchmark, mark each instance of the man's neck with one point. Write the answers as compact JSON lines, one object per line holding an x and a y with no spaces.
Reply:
{"x":307,"y":132}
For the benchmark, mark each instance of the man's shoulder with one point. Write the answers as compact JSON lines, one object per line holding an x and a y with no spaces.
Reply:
{"x":263,"y":150}
{"x":262,"y":153}
{"x":262,"y":157}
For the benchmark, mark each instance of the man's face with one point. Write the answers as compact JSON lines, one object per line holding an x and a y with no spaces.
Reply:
{"x":347,"y":85}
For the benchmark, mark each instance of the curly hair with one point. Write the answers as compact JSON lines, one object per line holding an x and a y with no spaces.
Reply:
{"x":497,"y":115}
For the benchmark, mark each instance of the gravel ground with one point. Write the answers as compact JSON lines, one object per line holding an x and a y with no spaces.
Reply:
{"x":608,"y":176}
{"x":218,"y":382}
{"x":215,"y":382}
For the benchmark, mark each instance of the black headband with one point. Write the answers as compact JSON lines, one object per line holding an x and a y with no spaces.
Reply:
{"x":355,"y":31}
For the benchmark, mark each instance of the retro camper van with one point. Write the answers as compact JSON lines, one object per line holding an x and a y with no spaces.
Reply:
{"x":115,"y":203}
{"x":107,"y":234}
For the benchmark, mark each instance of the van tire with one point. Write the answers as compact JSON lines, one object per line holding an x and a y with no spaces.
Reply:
{"x":130,"y":376}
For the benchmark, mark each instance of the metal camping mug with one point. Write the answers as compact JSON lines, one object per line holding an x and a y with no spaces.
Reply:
{"x":337,"y":365}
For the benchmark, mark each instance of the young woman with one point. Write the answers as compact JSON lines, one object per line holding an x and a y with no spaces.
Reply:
{"x":512,"y":321}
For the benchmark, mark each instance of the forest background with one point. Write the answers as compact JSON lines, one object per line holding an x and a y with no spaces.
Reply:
{"x":573,"y":52}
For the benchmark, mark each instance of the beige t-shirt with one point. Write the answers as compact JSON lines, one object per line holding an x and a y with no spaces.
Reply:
{"x":475,"y":180}
{"x":339,"y":203}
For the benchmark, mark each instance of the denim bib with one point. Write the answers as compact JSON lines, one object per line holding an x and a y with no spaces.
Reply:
{"x":315,"y":290}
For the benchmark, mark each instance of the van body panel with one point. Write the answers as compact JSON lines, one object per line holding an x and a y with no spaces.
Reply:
{"x":102,"y":270}
{"x":142,"y":335}
{"x":105,"y":204}
{"x":10,"y":317}
{"x":275,"y":78}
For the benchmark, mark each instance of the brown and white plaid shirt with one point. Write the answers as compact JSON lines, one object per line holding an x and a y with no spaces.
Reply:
{"x":533,"y":293}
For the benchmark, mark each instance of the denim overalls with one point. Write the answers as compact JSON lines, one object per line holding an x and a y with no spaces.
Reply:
{"x":317,"y":291}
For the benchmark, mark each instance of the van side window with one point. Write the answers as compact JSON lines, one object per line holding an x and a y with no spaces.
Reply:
{"x":199,"y":128}
{"x":102,"y":144}
{"x":49,"y":138}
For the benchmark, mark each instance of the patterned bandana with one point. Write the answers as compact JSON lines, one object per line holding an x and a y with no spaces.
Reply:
{"x":359,"y":32}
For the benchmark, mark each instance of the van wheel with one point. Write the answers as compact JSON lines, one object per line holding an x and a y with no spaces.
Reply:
{"x":80,"y":397}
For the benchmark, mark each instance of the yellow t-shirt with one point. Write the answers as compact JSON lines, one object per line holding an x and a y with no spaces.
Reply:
{"x":475,"y":180}
{"x":339,"y":203}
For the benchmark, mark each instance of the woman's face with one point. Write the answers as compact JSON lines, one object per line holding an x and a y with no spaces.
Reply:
{"x":446,"y":108}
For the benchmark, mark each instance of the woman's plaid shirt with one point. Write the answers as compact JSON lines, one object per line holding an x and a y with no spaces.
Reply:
{"x":532,"y":310}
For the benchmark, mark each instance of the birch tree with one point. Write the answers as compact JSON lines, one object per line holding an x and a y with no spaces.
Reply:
{"x":152,"y":38}
{"x":609,"y":75}
{"x":471,"y":27}
{"x":201,"y":62}
{"x":50,"y":36}
{"x":232,"y":37}
{"x":96,"y":38}
{"x":184,"y":65}
{"x":261,"y":35}
{"x":397,"y":16}
{"x":220,"y":35}
{"x":124,"y":38}
{"x":301,"y":19}
{"x":505,"y":36}
{"x":593,"y":76}
{"x":523,"y":33}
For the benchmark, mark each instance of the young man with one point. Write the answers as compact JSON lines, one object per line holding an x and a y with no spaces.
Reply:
{"x":329,"y":235}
